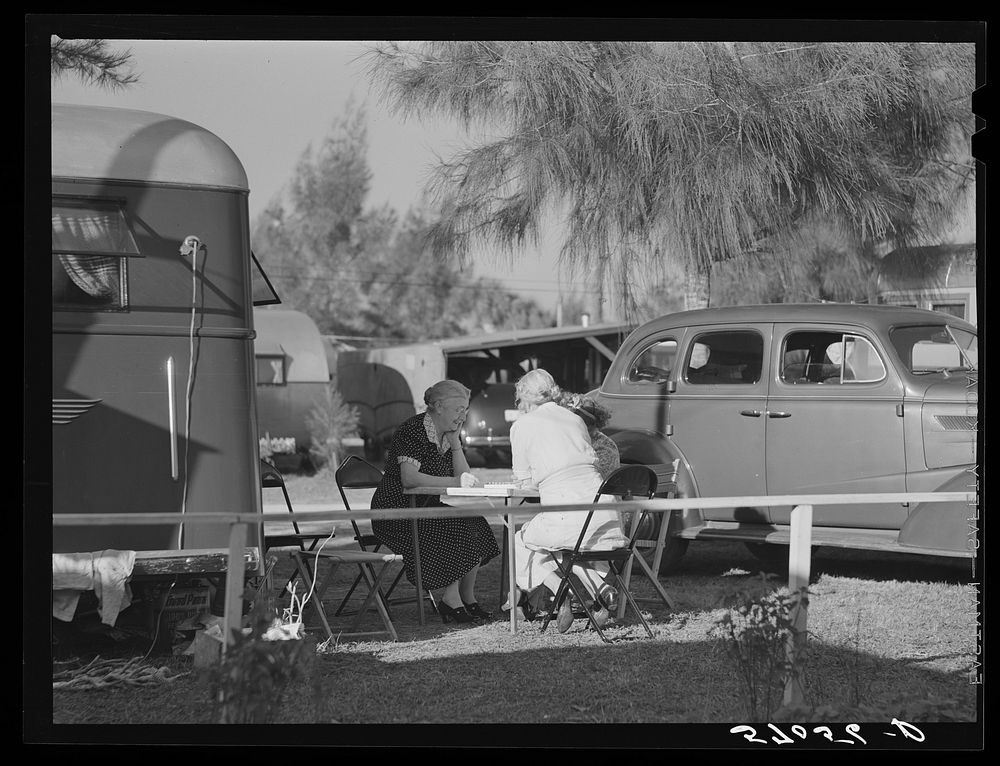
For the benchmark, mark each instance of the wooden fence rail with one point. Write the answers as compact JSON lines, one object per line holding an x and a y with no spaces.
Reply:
{"x":799,"y":548}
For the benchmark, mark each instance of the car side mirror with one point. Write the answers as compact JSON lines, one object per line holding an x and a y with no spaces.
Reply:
{"x":671,"y":386}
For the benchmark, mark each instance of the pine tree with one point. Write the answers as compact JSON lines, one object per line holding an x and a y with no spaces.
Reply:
{"x":92,"y":62}
{"x":696,"y":152}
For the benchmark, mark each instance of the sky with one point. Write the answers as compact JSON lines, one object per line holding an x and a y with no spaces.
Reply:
{"x":269,"y":99}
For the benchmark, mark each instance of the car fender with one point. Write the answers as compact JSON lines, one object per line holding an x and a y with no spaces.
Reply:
{"x":649,"y":448}
{"x":951,"y":526}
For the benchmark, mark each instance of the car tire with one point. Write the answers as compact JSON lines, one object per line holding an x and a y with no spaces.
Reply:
{"x":673,"y":551}
{"x":674,"y":548}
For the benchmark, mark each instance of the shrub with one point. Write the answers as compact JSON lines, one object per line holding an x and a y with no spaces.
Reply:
{"x":330,"y":421}
{"x":755,"y":635}
{"x":247,"y":685}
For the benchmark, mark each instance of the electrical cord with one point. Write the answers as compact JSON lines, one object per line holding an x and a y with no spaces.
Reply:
{"x":190,"y":246}
{"x":158,"y":617}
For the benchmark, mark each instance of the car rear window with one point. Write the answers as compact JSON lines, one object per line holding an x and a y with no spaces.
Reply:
{"x":935,"y":348}
{"x":829,"y":357}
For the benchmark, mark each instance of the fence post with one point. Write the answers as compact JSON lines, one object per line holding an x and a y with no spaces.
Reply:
{"x":233,"y":615}
{"x":799,"y":562}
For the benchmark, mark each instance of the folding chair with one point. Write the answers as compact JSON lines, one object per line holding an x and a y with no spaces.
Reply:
{"x":270,"y":477}
{"x":358,"y":473}
{"x":365,"y":561}
{"x":627,"y":482}
{"x":666,"y":487}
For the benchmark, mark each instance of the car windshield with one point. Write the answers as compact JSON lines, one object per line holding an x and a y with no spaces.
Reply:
{"x":927,"y":349}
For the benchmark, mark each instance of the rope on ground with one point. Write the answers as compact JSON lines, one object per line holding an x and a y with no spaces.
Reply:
{"x":100,"y":674}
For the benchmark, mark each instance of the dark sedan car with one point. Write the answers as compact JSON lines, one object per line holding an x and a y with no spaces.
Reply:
{"x":486,"y":434}
{"x":804,"y":399}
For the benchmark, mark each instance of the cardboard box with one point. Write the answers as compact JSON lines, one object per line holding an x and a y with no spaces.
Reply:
{"x":181,"y":604}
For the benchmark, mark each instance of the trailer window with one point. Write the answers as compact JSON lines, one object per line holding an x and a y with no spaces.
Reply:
{"x":91,"y":241}
{"x":271,"y":371}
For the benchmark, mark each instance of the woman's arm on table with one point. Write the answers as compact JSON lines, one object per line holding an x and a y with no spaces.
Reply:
{"x":410,"y":476}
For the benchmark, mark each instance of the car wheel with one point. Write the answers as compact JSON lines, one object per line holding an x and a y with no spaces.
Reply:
{"x":674,"y":549}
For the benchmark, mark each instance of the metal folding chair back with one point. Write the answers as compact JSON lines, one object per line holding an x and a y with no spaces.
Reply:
{"x":271,"y":478}
{"x":628,"y":482}
{"x":654,"y":535}
{"x":357,"y":473}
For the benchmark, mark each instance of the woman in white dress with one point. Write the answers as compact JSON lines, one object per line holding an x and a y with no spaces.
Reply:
{"x":552,"y":451}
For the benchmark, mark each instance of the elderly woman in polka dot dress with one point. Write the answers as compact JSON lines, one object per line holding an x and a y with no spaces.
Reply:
{"x":426,"y":452}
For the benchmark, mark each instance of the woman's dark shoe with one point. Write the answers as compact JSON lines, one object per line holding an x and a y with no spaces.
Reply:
{"x":608,"y":598}
{"x":477,"y":611}
{"x":458,"y":613}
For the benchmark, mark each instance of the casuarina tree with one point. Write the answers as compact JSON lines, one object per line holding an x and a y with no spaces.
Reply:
{"x":92,"y":61}
{"x":688,"y":152}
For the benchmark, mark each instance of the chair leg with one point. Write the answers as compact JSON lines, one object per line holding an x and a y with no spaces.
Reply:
{"x":428,"y":596}
{"x":386,"y":594}
{"x":365,"y":572}
{"x":316,"y":599}
{"x":265,"y":581}
{"x":656,"y":581}
{"x":556,"y":603}
{"x":628,"y":598}
{"x":566,"y":585}
{"x":583,"y":596}
{"x":393,"y":584}
{"x":661,"y":540}
{"x":347,"y":596}
{"x":375,"y":594}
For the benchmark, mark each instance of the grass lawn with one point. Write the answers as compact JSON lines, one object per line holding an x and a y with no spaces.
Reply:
{"x":890,"y":636}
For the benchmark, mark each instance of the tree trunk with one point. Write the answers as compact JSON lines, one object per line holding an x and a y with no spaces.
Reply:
{"x":872,"y":259}
{"x":697,"y":286}
{"x":594,"y":301}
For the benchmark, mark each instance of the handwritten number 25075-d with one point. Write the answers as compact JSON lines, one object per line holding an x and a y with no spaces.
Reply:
{"x":852,"y":730}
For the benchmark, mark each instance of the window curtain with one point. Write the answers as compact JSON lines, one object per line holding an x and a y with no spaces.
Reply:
{"x":92,"y":230}
{"x":98,"y":277}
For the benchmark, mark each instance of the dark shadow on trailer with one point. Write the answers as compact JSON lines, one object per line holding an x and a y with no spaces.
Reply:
{"x":382,"y":398}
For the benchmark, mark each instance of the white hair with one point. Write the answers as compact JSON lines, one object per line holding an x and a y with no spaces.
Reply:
{"x":445,"y":389}
{"x":537,"y":387}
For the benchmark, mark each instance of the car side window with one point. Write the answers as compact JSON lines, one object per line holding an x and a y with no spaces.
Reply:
{"x":814,"y":357}
{"x":727,"y":357}
{"x":654,"y":363}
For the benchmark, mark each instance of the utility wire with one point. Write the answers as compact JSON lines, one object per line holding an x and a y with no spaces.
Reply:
{"x":278,"y":276}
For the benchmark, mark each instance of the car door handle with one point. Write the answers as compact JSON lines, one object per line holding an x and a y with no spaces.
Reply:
{"x":751,"y":413}
{"x":778,"y":414}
